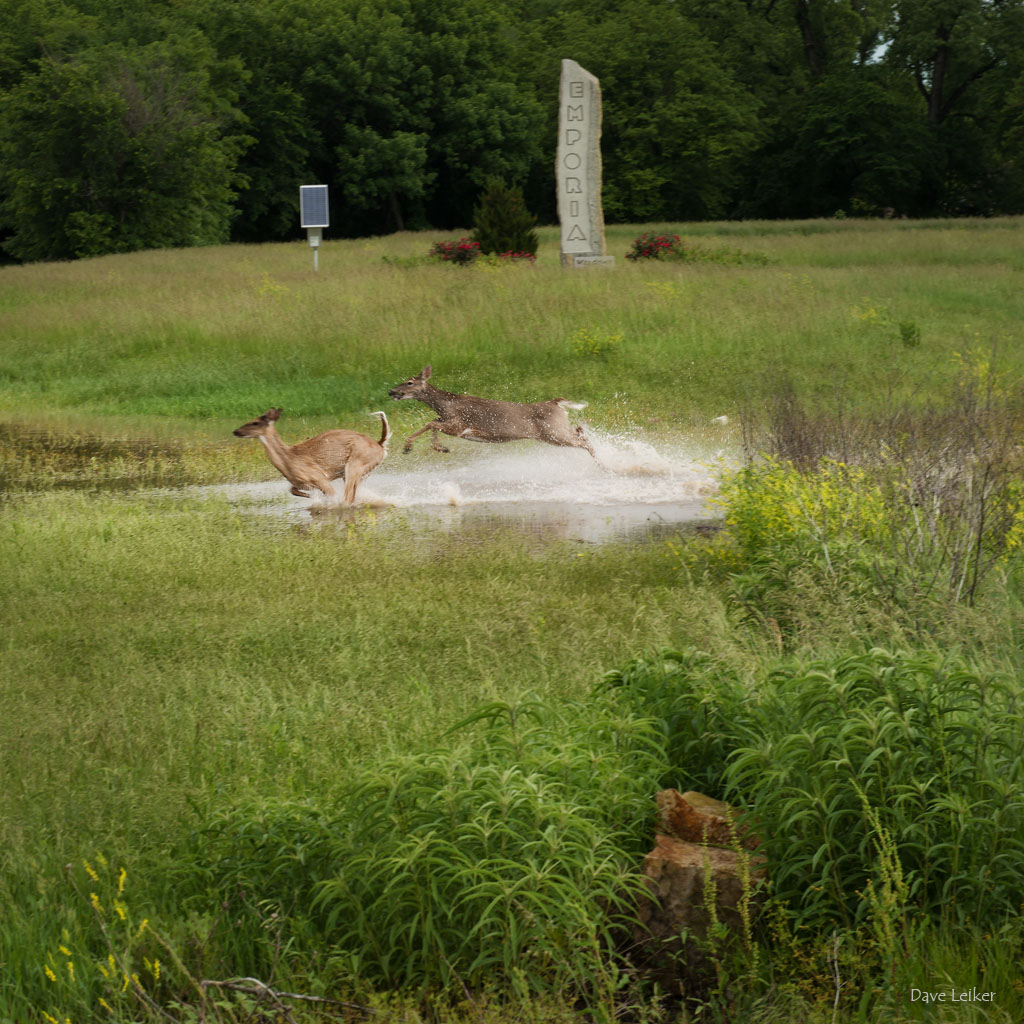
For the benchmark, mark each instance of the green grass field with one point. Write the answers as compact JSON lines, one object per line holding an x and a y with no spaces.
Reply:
{"x":201,"y":695}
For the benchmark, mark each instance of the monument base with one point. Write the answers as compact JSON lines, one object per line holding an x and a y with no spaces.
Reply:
{"x":592,"y":261}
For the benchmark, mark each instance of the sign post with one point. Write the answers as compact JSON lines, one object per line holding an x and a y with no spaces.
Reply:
{"x":314,"y":216}
{"x":578,"y":168}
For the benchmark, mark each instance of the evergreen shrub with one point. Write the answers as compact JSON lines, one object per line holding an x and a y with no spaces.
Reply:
{"x":501,"y":222}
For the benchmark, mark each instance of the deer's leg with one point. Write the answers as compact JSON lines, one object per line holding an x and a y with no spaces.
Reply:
{"x":353,"y":477}
{"x":435,"y":426}
{"x":582,"y":441}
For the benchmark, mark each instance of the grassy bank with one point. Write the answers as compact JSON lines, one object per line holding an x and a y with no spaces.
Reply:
{"x":251,"y":715}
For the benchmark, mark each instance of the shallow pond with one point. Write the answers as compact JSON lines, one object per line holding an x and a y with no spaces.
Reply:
{"x":632,"y":491}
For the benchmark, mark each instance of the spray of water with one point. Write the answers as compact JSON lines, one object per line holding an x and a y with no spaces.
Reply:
{"x":626,"y":471}
{"x":630,"y":485}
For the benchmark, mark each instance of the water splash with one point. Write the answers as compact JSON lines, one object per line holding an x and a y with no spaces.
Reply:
{"x":633,"y":488}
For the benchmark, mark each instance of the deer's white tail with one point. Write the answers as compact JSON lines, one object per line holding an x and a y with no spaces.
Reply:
{"x":385,"y":427}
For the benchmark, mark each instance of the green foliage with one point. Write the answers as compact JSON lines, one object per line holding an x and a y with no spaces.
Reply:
{"x":510,"y":863}
{"x":117,"y":149}
{"x":501,"y":222}
{"x":892,"y":533}
{"x":855,"y":769}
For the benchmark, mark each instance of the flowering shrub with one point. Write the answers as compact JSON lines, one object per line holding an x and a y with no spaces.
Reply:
{"x":461,"y":252}
{"x":650,"y":246}
{"x":593,"y":343}
{"x":517,"y":257}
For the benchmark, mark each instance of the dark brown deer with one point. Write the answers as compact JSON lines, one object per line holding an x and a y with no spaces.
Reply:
{"x":484,"y":419}
{"x":335,"y":455}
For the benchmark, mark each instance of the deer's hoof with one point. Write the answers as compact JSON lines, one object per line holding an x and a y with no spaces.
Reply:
{"x":407,"y":449}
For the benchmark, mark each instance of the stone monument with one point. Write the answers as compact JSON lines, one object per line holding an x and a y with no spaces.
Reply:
{"x":578,"y":168}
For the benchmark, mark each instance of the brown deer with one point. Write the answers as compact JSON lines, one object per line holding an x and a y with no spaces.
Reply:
{"x":334,"y":455}
{"x":484,"y":419}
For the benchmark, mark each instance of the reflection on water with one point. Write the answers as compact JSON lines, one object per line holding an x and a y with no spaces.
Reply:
{"x":530,"y":521}
{"x":34,"y":458}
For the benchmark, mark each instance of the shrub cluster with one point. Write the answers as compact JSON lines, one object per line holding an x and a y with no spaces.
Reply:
{"x":651,"y":246}
{"x":508,"y":863}
{"x":462,"y":252}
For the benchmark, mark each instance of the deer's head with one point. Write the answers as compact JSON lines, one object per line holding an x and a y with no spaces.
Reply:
{"x":259,"y":426}
{"x":413,"y":387}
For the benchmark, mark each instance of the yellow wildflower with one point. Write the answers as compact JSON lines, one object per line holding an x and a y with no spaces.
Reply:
{"x":89,"y":871}
{"x":49,"y":972}
{"x":120,"y":881}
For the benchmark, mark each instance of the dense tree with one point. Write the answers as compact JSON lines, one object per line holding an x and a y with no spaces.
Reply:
{"x":172,"y":122}
{"x":114,"y":149}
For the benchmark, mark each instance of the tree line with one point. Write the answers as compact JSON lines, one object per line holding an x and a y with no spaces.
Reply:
{"x":145,"y":123}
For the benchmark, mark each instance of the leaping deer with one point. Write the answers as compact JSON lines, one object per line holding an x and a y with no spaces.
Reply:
{"x":334,"y":455}
{"x":485,"y":419}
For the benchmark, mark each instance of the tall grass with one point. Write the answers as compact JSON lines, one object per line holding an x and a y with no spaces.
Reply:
{"x":212,"y":336}
{"x":251,"y":718}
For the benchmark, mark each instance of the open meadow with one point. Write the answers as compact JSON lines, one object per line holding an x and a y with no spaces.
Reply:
{"x":402,"y":757}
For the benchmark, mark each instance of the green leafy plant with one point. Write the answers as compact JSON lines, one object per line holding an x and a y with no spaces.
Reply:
{"x":501,"y":222}
{"x":510,"y":862}
{"x":932,"y":747}
{"x":586,"y":342}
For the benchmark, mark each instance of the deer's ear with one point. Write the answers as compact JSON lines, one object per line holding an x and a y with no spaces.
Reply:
{"x":426,"y":371}
{"x":272,"y":414}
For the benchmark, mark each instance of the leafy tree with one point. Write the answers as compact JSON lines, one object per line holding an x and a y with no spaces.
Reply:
{"x":949,"y":46}
{"x":116,"y":149}
{"x":855,"y":144}
{"x":676,"y":124}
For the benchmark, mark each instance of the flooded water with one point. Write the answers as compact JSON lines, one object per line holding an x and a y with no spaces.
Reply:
{"x":632,"y":491}
{"x":50,"y":458}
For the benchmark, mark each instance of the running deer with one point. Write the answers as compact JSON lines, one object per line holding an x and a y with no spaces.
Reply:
{"x":335,"y":455}
{"x":484,"y":419}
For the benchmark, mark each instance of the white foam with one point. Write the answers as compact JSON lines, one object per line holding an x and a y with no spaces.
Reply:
{"x":626,"y":471}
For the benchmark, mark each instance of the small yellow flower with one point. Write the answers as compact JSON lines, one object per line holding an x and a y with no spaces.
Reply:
{"x":49,"y":972}
{"x":71,"y":970}
{"x":106,"y":1006}
{"x":119,"y":907}
{"x":95,"y":901}
{"x":89,"y":871}
{"x":142,"y":927}
{"x":120,"y":881}
{"x":64,"y":950}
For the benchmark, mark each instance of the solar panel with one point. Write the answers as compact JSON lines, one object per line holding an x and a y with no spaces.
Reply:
{"x":313,"y":206}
